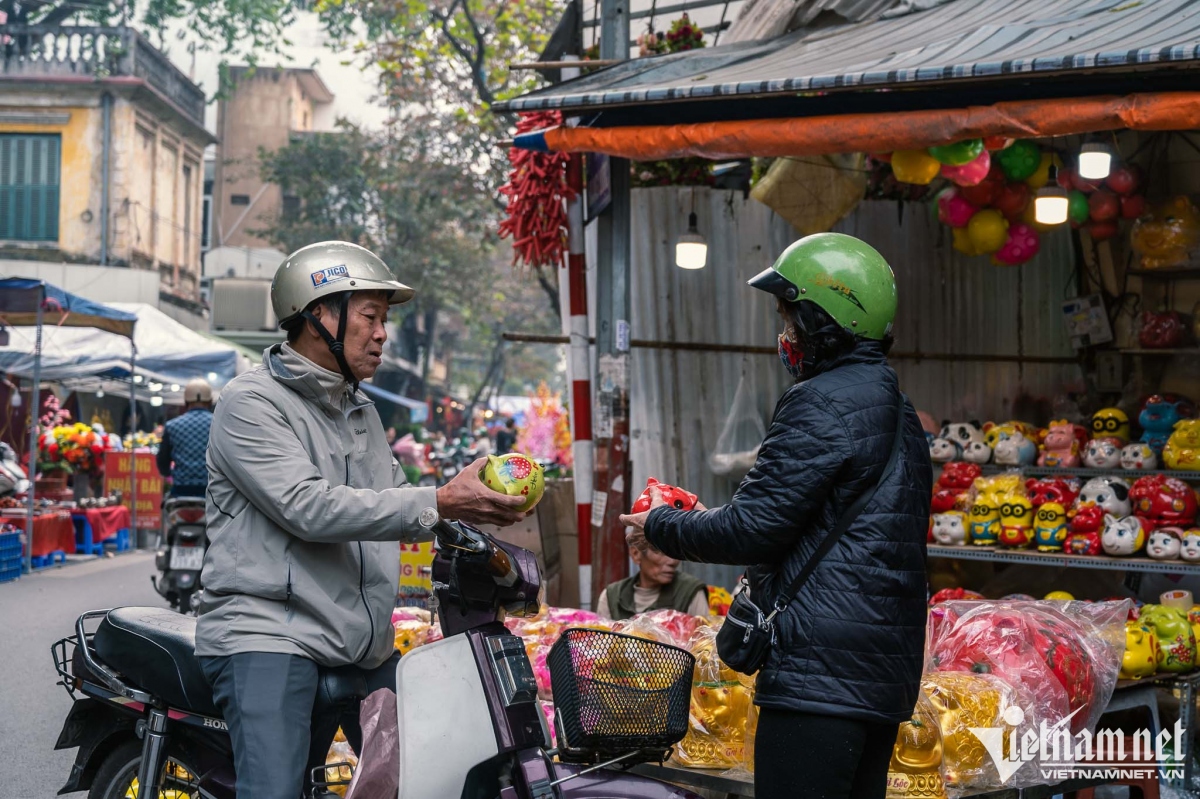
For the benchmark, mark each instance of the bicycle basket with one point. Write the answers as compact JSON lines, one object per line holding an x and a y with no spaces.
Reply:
{"x":615,"y":693}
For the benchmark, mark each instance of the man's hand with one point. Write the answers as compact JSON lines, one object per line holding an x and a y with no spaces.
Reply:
{"x":467,"y":499}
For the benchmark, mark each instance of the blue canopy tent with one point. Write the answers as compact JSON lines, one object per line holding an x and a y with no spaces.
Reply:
{"x":24,"y":301}
{"x":418,"y":411}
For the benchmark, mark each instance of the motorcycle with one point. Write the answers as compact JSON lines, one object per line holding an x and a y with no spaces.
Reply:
{"x":469,"y":723}
{"x":447,"y":464}
{"x":179,"y":555}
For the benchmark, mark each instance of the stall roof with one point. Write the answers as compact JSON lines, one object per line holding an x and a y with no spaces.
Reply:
{"x":419,"y":410}
{"x":19,"y":298}
{"x":962,"y":40}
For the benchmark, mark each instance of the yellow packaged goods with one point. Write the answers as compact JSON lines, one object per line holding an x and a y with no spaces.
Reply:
{"x":340,"y":752}
{"x":915,"y":770}
{"x":410,"y":635}
{"x":719,"y":711}
{"x":959,"y":702}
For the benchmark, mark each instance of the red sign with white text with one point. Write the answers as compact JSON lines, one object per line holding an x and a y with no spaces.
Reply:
{"x":118,"y":468}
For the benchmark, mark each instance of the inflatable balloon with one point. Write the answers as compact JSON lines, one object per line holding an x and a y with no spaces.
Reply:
{"x":1122,"y":180}
{"x":1012,"y":200}
{"x":962,"y":242}
{"x":970,"y":174}
{"x":953,"y":210}
{"x":959,"y":153}
{"x":988,"y":230}
{"x":1104,"y":205}
{"x":1041,"y":175}
{"x":914,"y":166}
{"x":1019,"y":161}
{"x":1133,"y":206}
{"x":1077,"y":207}
{"x":997,"y":142}
{"x":1023,"y":243}
{"x":1102,"y":231}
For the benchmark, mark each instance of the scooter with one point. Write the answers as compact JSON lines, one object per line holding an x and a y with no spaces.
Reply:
{"x":179,"y":556}
{"x":469,"y":722}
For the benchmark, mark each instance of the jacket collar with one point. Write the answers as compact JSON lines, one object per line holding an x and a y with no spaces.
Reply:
{"x":865,"y":351}
{"x":327,"y":389}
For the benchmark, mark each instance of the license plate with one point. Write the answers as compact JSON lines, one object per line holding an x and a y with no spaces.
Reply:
{"x":187,"y":558}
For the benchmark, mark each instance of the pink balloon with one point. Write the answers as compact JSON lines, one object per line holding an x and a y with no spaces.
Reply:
{"x":971,"y":174}
{"x":1023,"y":243}
{"x":953,"y":209}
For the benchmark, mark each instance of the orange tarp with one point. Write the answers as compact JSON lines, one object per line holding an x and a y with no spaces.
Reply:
{"x":885,"y":132}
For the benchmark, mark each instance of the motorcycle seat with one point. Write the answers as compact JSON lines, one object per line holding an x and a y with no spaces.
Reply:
{"x":155,"y":649}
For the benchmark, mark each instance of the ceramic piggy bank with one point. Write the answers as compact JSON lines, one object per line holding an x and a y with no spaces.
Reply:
{"x":985,"y":520}
{"x":1176,"y":640}
{"x":993,"y":434}
{"x":959,"y":475}
{"x":675,"y":497}
{"x":1182,"y":450}
{"x":1138,"y":456}
{"x":1015,"y":450}
{"x":1083,"y":537}
{"x":962,"y":433}
{"x":1061,"y":446}
{"x":1159,"y":416}
{"x":1103,"y":453}
{"x":950,"y":528}
{"x":977,"y":452}
{"x":1189,"y":549}
{"x":943,"y":450}
{"x":1110,"y":494}
{"x":516,"y":475}
{"x":1062,"y":490}
{"x":1167,"y":237}
{"x":945,"y":499}
{"x":1122,"y":537}
{"x":1016,"y":521}
{"x":1050,"y":527}
{"x":1141,"y":651}
{"x":1165,"y":543}
{"x":1111,"y":423}
{"x":1163,"y":501}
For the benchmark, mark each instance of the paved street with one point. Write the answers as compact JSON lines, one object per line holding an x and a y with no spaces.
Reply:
{"x":35,"y":611}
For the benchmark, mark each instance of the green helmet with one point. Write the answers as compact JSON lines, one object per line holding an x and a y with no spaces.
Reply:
{"x":330,"y":267}
{"x":844,"y":276}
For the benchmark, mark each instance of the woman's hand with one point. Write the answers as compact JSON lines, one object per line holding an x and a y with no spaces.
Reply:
{"x":635,"y":535}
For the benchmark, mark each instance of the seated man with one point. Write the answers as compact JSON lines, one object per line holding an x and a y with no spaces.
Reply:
{"x":658,"y":584}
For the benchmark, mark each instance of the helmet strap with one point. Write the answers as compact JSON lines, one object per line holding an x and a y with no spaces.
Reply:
{"x":337,"y":345}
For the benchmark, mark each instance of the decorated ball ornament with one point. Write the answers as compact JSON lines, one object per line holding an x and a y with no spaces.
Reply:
{"x":959,"y":153}
{"x":953,"y":209}
{"x":1123,"y":180}
{"x":1078,"y":209}
{"x":516,"y":475}
{"x":962,"y":243}
{"x":983,"y":194}
{"x":915,"y":166}
{"x":1041,"y":176}
{"x":1019,"y":161}
{"x":1133,"y":206}
{"x":988,"y":230}
{"x":1103,"y":206}
{"x":1012,"y":200}
{"x":1102,"y":231}
{"x":970,"y":174}
{"x":1023,"y":243}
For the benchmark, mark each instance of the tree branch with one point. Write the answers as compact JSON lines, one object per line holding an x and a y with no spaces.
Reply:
{"x":551,"y":291}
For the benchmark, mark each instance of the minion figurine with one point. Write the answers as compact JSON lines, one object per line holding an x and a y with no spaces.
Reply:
{"x":1016,"y":521}
{"x":985,"y":520}
{"x":1050,"y":527}
{"x":1111,"y":423}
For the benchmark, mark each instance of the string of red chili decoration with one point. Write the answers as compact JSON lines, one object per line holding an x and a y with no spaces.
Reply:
{"x":537,"y":194}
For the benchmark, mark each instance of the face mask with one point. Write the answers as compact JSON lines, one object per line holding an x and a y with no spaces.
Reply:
{"x":792,"y":357}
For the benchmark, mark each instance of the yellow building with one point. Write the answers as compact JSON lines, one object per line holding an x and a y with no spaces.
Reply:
{"x":101,"y":154}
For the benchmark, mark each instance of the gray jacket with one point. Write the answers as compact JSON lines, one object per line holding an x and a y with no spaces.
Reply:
{"x":306,"y":507}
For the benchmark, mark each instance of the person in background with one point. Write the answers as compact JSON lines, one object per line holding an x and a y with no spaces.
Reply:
{"x":390,"y":435}
{"x":185,"y":442}
{"x":657,"y":585}
{"x":506,"y":439}
{"x":482,"y":444}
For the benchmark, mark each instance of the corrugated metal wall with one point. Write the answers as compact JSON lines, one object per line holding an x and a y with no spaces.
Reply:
{"x":679,"y":400}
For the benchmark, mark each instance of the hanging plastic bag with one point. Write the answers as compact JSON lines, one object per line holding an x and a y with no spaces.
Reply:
{"x":378,"y":772}
{"x":742,"y":435}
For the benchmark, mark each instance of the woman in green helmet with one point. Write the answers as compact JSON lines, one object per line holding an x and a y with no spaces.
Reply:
{"x":846,"y":665}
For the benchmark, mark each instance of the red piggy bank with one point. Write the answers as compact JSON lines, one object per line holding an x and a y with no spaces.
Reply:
{"x":675,"y":497}
{"x":1062,"y":490}
{"x":959,"y":475}
{"x":945,"y":499}
{"x":1084,"y":536}
{"x":1161,"y":501}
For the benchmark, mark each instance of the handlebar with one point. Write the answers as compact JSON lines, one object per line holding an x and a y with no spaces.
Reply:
{"x":472,"y":542}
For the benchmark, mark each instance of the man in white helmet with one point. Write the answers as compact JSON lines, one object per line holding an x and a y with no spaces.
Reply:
{"x":306,"y":509}
{"x":181,"y":454}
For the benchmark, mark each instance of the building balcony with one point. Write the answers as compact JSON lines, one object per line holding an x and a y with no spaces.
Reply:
{"x":71,"y":52}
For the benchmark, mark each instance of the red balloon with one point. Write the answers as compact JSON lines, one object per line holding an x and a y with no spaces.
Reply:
{"x":1104,"y":206}
{"x":1122,"y":180}
{"x":884,"y":157}
{"x":1133,"y":206}
{"x":983,"y":194}
{"x":1102,"y":231}
{"x":1066,"y":178}
{"x":1012,"y":200}
{"x":997,"y":142}
{"x":1084,"y":185}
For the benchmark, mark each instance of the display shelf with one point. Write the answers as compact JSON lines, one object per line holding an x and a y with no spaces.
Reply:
{"x":1083,"y":472}
{"x":1182,"y":273}
{"x":1035,"y":558}
{"x":1163,"y":353}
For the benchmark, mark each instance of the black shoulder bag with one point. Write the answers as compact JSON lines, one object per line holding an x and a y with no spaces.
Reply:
{"x":745,"y":639}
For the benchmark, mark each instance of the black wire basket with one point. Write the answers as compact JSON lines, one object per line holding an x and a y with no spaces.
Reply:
{"x":615,"y":693}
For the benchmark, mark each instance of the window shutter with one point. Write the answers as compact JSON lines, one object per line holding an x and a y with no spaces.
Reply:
{"x":29,"y":187}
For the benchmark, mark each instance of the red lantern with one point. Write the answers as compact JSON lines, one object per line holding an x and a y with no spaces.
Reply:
{"x":1133,"y":206}
{"x":1012,"y":200}
{"x":1104,"y":205}
{"x":1102,"y":231}
{"x":1122,"y":180}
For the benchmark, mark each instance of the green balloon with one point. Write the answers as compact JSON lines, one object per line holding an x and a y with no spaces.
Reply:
{"x":1077,"y":207}
{"x":959,"y":153}
{"x":1020,"y":160}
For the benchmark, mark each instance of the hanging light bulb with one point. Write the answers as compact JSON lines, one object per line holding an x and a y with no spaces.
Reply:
{"x":137,"y":379}
{"x":99,"y":393}
{"x":1050,"y":206}
{"x":174,"y":386}
{"x":1095,"y":161}
{"x":212,"y":377}
{"x":155,"y":402}
{"x":155,"y":386}
{"x":691,"y":249}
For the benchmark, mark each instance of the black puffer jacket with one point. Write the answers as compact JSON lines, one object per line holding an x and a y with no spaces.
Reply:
{"x":851,"y":644}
